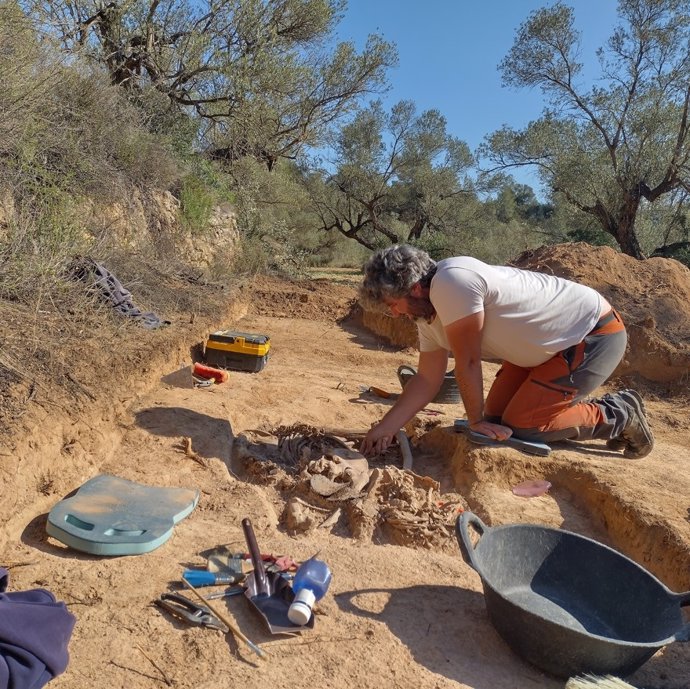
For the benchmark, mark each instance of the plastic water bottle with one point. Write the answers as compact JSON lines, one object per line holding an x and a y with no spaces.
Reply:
{"x":310,"y":584}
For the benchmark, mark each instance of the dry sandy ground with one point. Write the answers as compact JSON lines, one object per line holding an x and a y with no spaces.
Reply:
{"x":395,"y":615}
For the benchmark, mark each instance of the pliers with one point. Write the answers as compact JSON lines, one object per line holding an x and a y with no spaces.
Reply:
{"x":189,"y":611}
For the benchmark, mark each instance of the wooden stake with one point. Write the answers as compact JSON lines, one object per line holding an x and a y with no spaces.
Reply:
{"x":225,"y":620}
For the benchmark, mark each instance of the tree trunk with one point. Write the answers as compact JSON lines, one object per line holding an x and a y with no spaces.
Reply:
{"x":624,"y":230}
{"x":668,"y":250}
{"x":416,"y":229}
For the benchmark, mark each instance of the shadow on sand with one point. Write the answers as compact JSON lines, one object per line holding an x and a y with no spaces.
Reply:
{"x":447,"y":631}
{"x":211,"y":437}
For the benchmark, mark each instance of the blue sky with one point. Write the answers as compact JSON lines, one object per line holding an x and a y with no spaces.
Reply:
{"x":449,"y":53}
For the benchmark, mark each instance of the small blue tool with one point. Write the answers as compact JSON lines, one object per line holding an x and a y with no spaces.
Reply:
{"x":202,"y":577}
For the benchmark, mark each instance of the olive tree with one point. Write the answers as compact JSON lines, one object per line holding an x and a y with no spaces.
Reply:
{"x":264,"y":76}
{"x":394,"y":177}
{"x":613,"y":149}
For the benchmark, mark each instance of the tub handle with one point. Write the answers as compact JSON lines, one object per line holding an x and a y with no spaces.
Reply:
{"x":405,"y":372}
{"x":461,"y":532}
{"x":683,"y":634}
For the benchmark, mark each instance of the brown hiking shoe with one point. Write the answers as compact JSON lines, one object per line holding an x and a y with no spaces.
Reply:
{"x":636,"y":440}
{"x":618,"y":444}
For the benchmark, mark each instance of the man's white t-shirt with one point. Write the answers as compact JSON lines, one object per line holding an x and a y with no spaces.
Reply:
{"x":528,"y":317}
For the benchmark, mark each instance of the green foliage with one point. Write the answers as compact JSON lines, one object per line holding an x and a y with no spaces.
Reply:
{"x":396,"y":176}
{"x":266,"y":77}
{"x":518,"y":202}
{"x":339,"y":252}
{"x":273,"y":249}
{"x":84,"y":137}
{"x":196,"y":203}
{"x":71,"y":132}
{"x":592,"y":234}
{"x":268,"y":210}
{"x":679,"y":252}
{"x":161,"y":117}
{"x":35,"y":246}
{"x":19,"y":54}
{"x":626,"y":140}
{"x":67,"y":139}
{"x":203,"y":188}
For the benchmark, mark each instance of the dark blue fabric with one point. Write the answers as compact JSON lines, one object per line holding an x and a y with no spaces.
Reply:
{"x":34,"y":634}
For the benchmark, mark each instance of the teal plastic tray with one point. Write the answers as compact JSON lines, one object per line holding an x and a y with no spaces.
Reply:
{"x":109,"y":515}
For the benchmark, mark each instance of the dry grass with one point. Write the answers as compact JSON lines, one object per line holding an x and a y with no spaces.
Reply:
{"x":62,"y":332}
{"x":342,"y":276}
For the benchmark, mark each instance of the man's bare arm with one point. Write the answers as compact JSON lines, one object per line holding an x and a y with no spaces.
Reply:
{"x":465,"y":340}
{"x":416,"y":394}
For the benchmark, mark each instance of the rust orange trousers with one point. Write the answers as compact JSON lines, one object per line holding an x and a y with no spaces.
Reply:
{"x":546,"y":403}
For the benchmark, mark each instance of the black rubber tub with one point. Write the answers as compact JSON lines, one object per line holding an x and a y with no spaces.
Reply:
{"x":568,"y":604}
{"x":448,"y":393}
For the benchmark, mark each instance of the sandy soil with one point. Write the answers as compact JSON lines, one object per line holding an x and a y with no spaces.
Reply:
{"x":403,"y":609}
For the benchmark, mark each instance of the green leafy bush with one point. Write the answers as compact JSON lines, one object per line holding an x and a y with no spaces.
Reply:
{"x":202,"y":188}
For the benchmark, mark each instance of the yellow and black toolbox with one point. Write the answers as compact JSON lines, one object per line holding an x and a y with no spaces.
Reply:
{"x":236,"y":350}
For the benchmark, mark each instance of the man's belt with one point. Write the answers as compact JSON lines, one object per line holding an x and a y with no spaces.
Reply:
{"x":604,"y":320}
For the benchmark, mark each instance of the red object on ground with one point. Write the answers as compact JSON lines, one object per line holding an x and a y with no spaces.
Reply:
{"x":379,"y":392}
{"x":203,"y":371}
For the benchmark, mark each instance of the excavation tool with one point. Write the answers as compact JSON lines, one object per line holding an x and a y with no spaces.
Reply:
{"x":222,"y":560}
{"x":232,"y":591}
{"x":189,"y":611}
{"x":202,"y":577}
{"x":379,"y":392}
{"x":225,"y":620}
{"x":269,"y":593}
{"x":527,"y":446}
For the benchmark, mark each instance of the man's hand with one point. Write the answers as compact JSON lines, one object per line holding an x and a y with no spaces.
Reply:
{"x":416,"y":394}
{"x":492,"y":430}
{"x":377,"y":440}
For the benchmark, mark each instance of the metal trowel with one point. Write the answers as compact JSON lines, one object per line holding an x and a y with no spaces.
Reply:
{"x":269,"y":593}
{"x":222,"y":560}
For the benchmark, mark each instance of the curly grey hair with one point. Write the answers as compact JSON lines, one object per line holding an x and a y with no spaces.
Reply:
{"x":391,"y":273}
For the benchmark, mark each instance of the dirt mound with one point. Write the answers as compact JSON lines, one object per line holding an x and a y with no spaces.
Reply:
{"x":73,"y":349}
{"x":397,"y":331}
{"x":652,"y":297}
{"x":319,"y":300}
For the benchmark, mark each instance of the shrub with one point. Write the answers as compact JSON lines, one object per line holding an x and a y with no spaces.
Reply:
{"x":202,"y":188}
